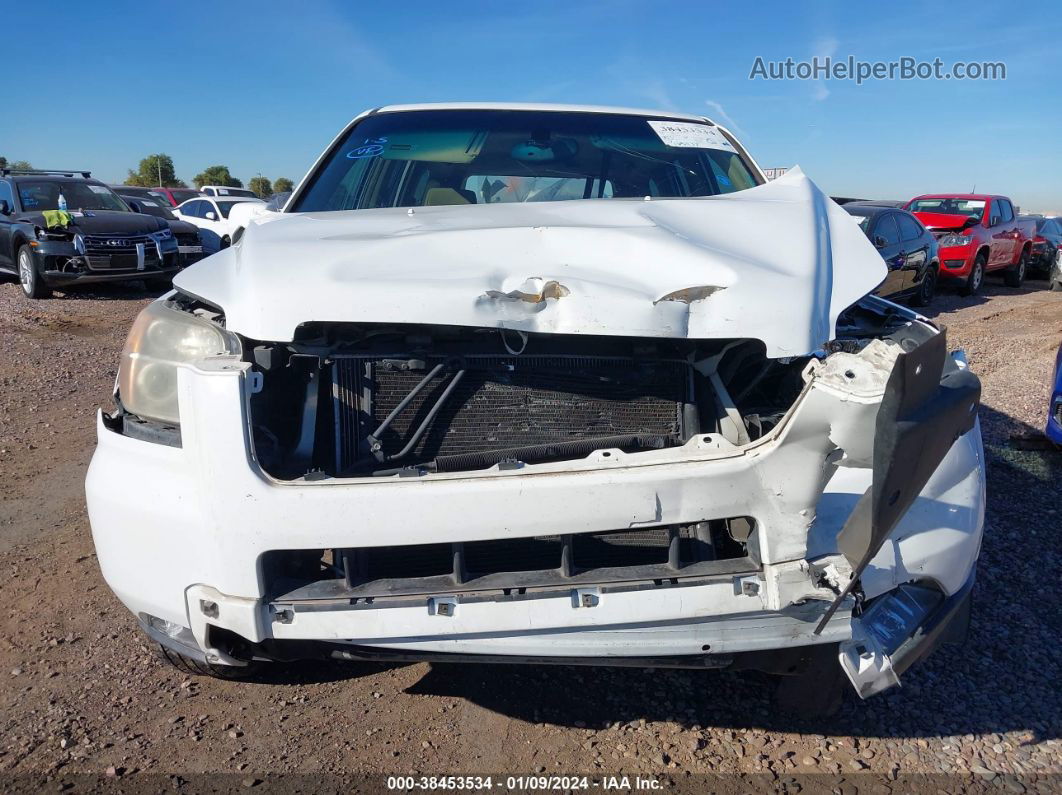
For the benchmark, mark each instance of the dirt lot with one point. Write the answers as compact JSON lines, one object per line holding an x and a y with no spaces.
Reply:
{"x":82,"y":693}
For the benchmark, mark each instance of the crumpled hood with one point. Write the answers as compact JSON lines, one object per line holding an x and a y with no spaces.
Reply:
{"x":942,"y":220}
{"x":776,"y":263}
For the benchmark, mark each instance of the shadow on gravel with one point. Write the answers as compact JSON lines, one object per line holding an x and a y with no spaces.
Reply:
{"x":121,"y":291}
{"x":948,"y":298}
{"x":314,"y":672}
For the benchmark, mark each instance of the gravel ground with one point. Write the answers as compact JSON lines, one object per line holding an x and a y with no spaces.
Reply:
{"x":81,"y":693}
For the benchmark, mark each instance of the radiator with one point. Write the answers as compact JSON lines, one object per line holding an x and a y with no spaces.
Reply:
{"x":502,"y":403}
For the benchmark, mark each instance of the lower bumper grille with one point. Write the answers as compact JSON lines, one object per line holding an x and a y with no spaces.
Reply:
{"x":508,"y":405}
{"x":656,"y":553}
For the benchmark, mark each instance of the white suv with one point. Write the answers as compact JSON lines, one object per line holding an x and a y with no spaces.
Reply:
{"x":522,"y":383}
{"x":211,"y":215}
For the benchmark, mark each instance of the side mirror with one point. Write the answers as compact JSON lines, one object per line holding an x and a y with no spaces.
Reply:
{"x":134,"y":206}
{"x":210,"y":216}
{"x":994,"y":220}
{"x":5,"y":208}
{"x":880,"y":242}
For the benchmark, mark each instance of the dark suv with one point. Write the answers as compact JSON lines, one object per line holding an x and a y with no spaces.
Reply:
{"x":98,"y":238}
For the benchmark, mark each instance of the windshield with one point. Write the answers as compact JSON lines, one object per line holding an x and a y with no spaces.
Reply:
{"x":180,"y":195}
{"x":278,"y":200}
{"x":39,"y":196}
{"x":152,"y":207}
{"x":971,"y":208}
{"x":224,"y":207}
{"x":861,"y":217}
{"x":417,"y":158}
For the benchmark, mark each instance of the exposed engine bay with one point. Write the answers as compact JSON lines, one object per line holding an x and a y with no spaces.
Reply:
{"x":359,"y":400}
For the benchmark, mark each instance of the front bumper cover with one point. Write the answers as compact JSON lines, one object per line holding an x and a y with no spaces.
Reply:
{"x":209,"y":512}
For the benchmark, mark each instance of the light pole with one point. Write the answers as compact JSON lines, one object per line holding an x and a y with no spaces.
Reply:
{"x":158,"y":164}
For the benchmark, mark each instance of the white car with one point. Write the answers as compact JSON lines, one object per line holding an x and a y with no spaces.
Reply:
{"x":543,"y":383}
{"x":211,"y":215}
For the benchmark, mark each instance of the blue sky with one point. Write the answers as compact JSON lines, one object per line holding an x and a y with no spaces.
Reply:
{"x":263,"y":87}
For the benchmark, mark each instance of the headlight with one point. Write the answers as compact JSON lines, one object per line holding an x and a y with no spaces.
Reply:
{"x":161,"y":339}
{"x":44,"y":234}
{"x":164,"y":234}
{"x":954,"y":240}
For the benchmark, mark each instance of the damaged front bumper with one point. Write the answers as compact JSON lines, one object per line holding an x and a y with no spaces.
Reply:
{"x":187,"y":540}
{"x":63,"y":263}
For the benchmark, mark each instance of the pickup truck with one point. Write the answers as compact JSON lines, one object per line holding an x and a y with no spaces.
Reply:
{"x":977,"y":234}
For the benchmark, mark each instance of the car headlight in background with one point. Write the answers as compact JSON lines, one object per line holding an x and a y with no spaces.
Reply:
{"x":954,"y":240}
{"x":162,"y":338}
{"x":59,"y":236}
{"x":162,"y":234}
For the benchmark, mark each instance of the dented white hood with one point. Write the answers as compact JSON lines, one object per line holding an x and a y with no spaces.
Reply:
{"x":776,"y":263}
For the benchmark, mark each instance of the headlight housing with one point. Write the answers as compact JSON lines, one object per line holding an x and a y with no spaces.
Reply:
{"x":954,"y":240}
{"x":162,"y":234}
{"x":162,"y":338}
{"x":44,"y":234}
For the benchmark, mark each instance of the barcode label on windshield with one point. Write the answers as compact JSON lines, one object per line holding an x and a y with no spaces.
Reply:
{"x":689,"y":135}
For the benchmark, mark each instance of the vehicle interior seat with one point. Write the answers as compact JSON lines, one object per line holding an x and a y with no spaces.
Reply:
{"x":441,"y":196}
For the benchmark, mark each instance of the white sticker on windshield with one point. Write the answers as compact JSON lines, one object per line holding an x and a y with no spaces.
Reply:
{"x":690,"y":135}
{"x":99,"y":189}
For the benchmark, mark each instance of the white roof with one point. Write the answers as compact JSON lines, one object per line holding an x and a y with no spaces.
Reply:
{"x":225,"y":198}
{"x":542,"y":106}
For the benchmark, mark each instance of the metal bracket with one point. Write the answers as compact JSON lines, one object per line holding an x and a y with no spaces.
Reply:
{"x":586,"y":597}
{"x":867,"y":666}
{"x":445,"y":606}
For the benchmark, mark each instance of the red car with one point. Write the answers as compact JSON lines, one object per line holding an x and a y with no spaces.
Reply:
{"x":977,"y":234}
{"x":177,"y":195}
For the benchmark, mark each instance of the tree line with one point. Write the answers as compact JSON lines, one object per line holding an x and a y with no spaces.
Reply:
{"x":157,"y":171}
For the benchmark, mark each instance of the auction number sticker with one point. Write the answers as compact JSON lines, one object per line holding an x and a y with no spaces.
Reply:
{"x":411,"y":783}
{"x":532,"y":783}
{"x":689,"y":135}
{"x":372,"y":147}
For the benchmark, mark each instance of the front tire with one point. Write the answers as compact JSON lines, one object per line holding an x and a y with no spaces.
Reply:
{"x":189,"y":666}
{"x":927,"y":289}
{"x":973,"y":282}
{"x":1015,"y":275}
{"x":29,"y":277}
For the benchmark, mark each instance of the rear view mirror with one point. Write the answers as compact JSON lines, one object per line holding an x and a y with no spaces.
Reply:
{"x":5,"y":208}
{"x":880,"y":242}
{"x":134,"y":206}
{"x":211,"y":217}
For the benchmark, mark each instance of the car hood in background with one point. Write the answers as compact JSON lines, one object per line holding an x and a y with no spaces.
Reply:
{"x":182,"y":227}
{"x":106,"y":222}
{"x":776,"y":263}
{"x":941,"y":220}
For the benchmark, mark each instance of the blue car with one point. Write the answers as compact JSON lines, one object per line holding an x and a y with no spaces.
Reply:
{"x":1054,"y":411}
